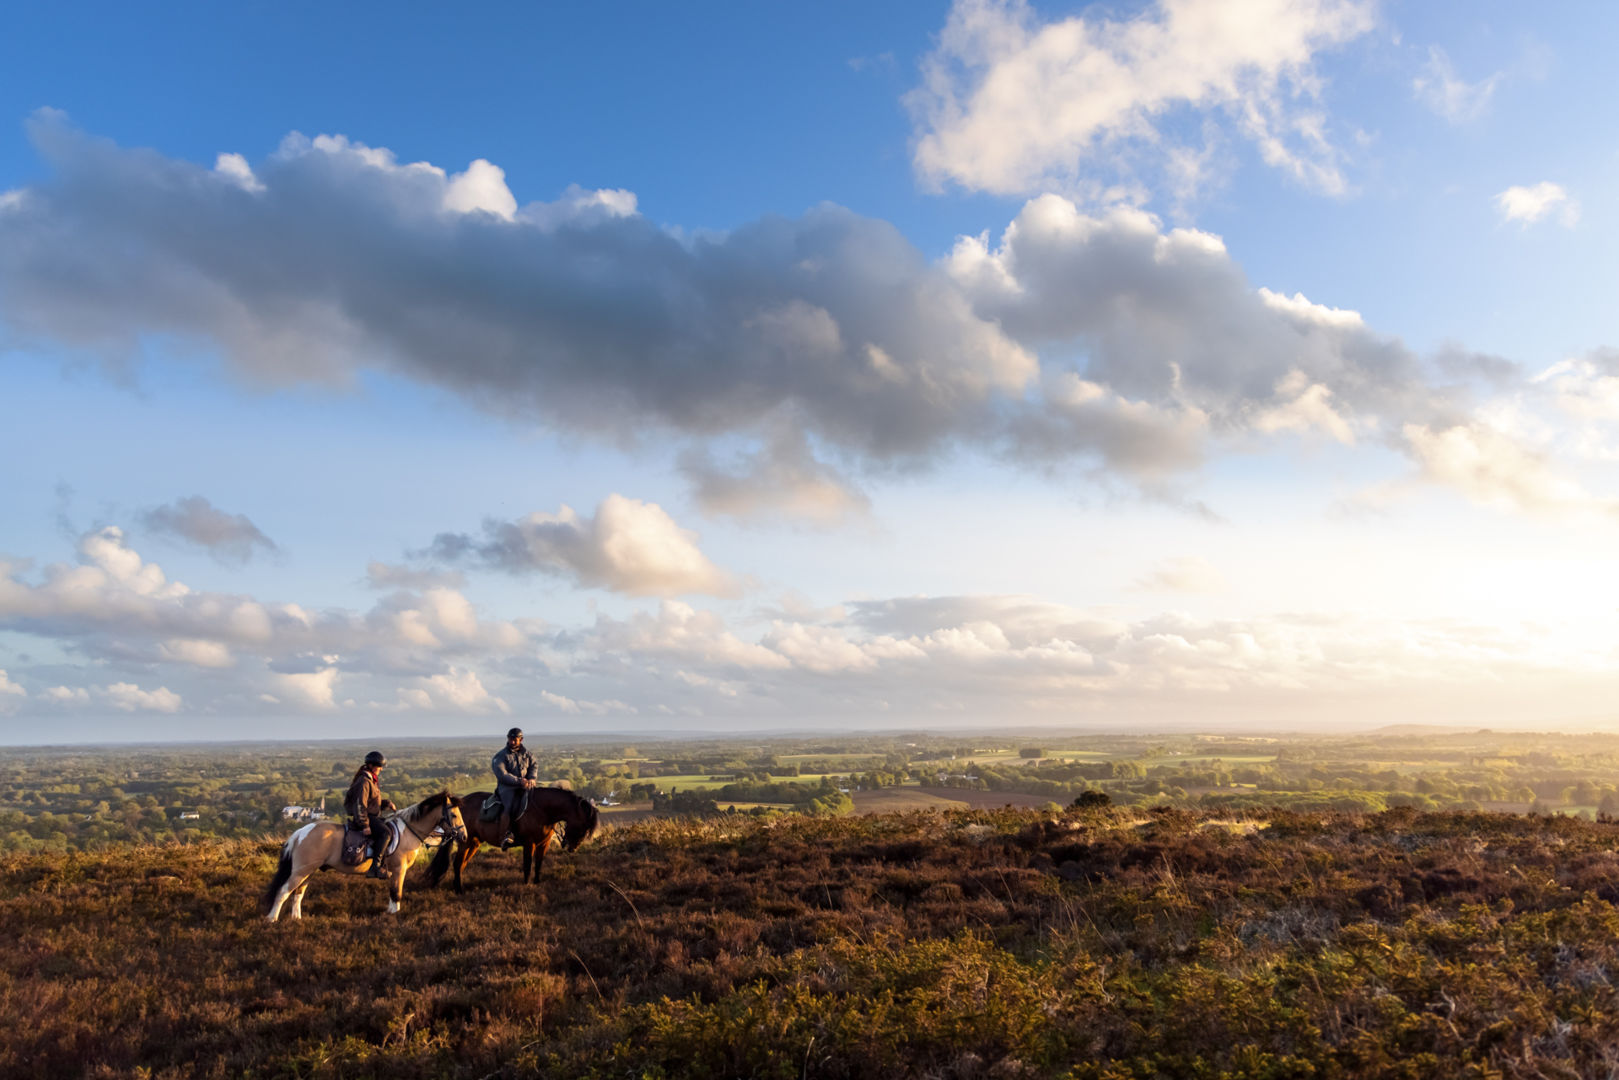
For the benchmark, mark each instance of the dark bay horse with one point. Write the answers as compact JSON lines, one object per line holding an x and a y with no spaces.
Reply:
{"x":548,"y":807}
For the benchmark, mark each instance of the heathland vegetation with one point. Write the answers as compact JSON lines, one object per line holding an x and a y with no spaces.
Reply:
{"x":1100,"y":943}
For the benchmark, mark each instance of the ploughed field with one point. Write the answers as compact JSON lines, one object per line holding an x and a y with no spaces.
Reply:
{"x":974,"y":943}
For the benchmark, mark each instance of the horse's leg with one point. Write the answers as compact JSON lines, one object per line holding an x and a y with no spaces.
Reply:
{"x":396,"y":886}
{"x":296,"y":909}
{"x":464,"y":856}
{"x":528,"y":859}
{"x":292,"y":889}
{"x":540,"y":849}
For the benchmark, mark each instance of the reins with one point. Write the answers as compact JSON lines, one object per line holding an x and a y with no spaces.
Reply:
{"x":443,"y":820}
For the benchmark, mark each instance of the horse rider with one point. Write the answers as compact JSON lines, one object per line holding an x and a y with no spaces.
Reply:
{"x":515,"y":769}
{"x":363,"y":805}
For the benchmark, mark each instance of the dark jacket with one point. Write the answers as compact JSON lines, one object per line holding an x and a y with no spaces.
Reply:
{"x":512,"y":767}
{"x":364,"y":800}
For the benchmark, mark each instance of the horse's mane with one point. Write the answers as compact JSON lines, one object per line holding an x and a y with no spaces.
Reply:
{"x":426,"y":806}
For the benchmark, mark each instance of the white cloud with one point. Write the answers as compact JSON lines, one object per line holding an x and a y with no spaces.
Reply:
{"x":1186,"y":574}
{"x":1011,"y":103}
{"x":131,"y":698}
{"x":1494,"y":470}
{"x":628,"y":546}
{"x":309,"y":689}
{"x":481,"y":187}
{"x":1527,"y":205}
{"x":10,"y":690}
{"x":681,"y":631}
{"x":1438,"y":87}
{"x":207,"y":654}
{"x":115,"y":604}
{"x":235,"y":168}
{"x":462,"y":692}
{"x":65,"y":695}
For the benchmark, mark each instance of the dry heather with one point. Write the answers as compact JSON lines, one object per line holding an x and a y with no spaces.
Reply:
{"x":970,"y":944}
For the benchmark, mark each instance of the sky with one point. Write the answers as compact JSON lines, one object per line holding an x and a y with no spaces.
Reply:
{"x":741,"y":367}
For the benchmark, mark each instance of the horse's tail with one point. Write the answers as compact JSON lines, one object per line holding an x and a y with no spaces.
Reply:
{"x":283,"y":872}
{"x":440,"y":863}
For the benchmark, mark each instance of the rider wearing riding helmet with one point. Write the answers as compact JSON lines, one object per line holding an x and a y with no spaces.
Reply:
{"x":515,"y":769}
{"x":363,"y":804}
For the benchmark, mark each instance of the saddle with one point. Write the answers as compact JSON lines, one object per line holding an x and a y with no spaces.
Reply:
{"x":491,"y":810}
{"x":354,"y":843}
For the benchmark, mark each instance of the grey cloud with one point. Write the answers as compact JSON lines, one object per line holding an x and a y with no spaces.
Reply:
{"x":1462,"y":363}
{"x":782,"y":477}
{"x":600,"y":323}
{"x":231,"y":537}
{"x":381,"y":575}
{"x":328,"y":257}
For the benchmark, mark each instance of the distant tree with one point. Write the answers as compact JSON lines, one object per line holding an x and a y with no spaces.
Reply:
{"x":1092,"y":799}
{"x":1031,"y":752}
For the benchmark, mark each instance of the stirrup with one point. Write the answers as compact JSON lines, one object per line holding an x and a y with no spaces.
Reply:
{"x":508,"y":840}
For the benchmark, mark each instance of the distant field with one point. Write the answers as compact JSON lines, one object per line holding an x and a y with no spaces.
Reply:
{"x":1051,"y":755}
{"x":890,"y":800}
{"x":701,"y":781}
{"x":987,"y":800}
{"x":1205,"y":759}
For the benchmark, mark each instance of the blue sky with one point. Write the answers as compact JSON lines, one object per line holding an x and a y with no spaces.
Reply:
{"x":748,"y":367}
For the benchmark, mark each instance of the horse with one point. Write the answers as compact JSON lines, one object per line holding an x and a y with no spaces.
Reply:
{"x":319,"y":846}
{"x":547,"y":808}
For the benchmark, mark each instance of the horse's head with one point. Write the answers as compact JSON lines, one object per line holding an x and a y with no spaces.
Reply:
{"x":452,"y":824}
{"x":583,"y":821}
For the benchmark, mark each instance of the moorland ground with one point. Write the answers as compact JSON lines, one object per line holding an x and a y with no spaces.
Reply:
{"x":1111,"y":943}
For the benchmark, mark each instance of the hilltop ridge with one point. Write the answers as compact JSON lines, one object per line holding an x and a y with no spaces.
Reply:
{"x":1091,"y":944}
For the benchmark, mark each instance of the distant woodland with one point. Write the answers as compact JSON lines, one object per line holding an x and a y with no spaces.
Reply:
{"x":77,"y":799}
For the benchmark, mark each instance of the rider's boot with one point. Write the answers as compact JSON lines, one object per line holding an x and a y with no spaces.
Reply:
{"x":510,"y":838}
{"x":378,"y":869}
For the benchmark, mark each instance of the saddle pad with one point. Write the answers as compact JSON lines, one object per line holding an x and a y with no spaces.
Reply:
{"x":354,"y":843}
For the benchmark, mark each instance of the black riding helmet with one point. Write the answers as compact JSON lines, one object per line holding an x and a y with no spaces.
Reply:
{"x":515,"y":733}
{"x":375,"y":758}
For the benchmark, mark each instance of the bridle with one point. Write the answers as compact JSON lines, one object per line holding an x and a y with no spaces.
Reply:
{"x":442,"y":828}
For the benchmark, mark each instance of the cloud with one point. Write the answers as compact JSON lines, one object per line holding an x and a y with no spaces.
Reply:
{"x":789,"y":358}
{"x":131,"y":698}
{"x":308,"y":689}
{"x":1527,"y":205}
{"x":903,"y":657}
{"x":783,"y":477}
{"x":604,"y":323}
{"x":381,"y":575}
{"x":1187,"y":574}
{"x":628,"y":546}
{"x":453,"y":691}
{"x":1180,"y":350}
{"x":194,"y":519}
{"x":9,"y":691}
{"x":1439,"y":88}
{"x":114,"y":605}
{"x":1494,"y":470}
{"x":1012,"y":104}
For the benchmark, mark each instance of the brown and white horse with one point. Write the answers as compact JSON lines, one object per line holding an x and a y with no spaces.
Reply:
{"x":319,"y":846}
